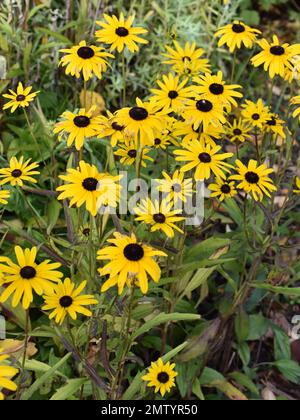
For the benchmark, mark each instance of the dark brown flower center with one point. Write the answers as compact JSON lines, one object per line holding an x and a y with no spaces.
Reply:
{"x":238,"y":28}
{"x":65,"y":301}
{"x":90,"y":184}
{"x":28,"y":272}
{"x":132,"y":153}
{"x":16,"y":173}
{"x":138,"y":113}
{"x":81,"y":121}
{"x":163,"y":377}
{"x":255,"y":117}
{"x":277,"y":50}
{"x":157,"y":142}
{"x":173,"y":94}
{"x":20,"y":98}
{"x":252,"y":177}
{"x":134,"y":252}
{"x":177,"y":188}
{"x":86,"y":231}
{"x":85,"y":52}
{"x":204,"y":106}
{"x":237,"y":132}
{"x":272,"y":121}
{"x":205,"y":158}
{"x":117,"y":126}
{"x":121,"y":31}
{"x":225,"y":189}
{"x":186,"y":58}
{"x":159,"y":218}
{"x":216,"y":88}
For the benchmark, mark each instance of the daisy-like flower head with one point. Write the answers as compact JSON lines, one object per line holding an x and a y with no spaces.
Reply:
{"x":162,"y":142}
{"x":294,"y":73}
{"x":237,"y":34}
{"x":256,"y":114}
{"x":238,"y":131}
{"x":296,"y":101}
{"x":172,"y":94}
{"x":213,"y":88}
{"x":129,"y":152}
{"x":161,"y":376}
{"x":254,"y":179}
{"x":275,"y":57}
{"x":21,"y":98}
{"x":85,"y":59}
{"x":66,"y":299}
{"x":27,"y":276}
{"x":120,"y":33}
{"x":223,"y":189}
{"x":275,"y":126}
{"x":204,"y":112}
{"x":85,"y":185}
{"x":144,"y":121}
{"x":6,"y":374}
{"x":297,"y":182}
{"x":110,"y":128}
{"x":79,"y":126}
{"x":4,"y":196}
{"x":18,"y":172}
{"x":187,"y":60}
{"x":161,"y":216}
{"x":166,"y":137}
{"x":176,"y":188}
{"x":212,"y":133}
{"x":204,"y":159}
{"x":129,"y":259}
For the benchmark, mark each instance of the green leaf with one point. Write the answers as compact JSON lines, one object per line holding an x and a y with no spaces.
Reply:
{"x":205,"y":248}
{"x":66,"y":391}
{"x":288,"y":291}
{"x":290,"y":370}
{"x":210,"y":376}
{"x":245,"y":381}
{"x":282,"y":346}
{"x":197,"y":389}
{"x":37,"y":366}
{"x":241,"y":324}
{"x":258,"y":326}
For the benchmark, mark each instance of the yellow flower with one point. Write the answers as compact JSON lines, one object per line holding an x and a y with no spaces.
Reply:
{"x":85,"y":185}
{"x":238,"y":131}
{"x":26,"y":275}
{"x":79,"y":126}
{"x":161,"y":216}
{"x":275,"y":57}
{"x":275,"y":126}
{"x":65,"y":300}
{"x":182,"y":128}
{"x":205,"y":159}
{"x":235,"y":34}
{"x":172,"y":94}
{"x":297,"y":181}
{"x":176,"y":187}
{"x":18,"y":171}
{"x":129,"y":259}
{"x":120,"y":33}
{"x":213,"y":88}
{"x":204,"y":112}
{"x":256,"y":114}
{"x":84,"y":59}
{"x":294,"y":73}
{"x":6,"y":374}
{"x":254,"y":179}
{"x":187,"y":60}
{"x":4,"y":196}
{"x":296,"y":101}
{"x":21,"y":98}
{"x":161,"y":376}
{"x":223,"y":189}
{"x":129,"y":152}
{"x":110,"y":128}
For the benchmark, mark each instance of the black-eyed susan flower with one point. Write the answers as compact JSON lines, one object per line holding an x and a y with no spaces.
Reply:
{"x":187,"y":60}
{"x":275,"y":126}
{"x":130,"y":259}
{"x":161,"y":376}
{"x":18,"y":172}
{"x":204,"y":159}
{"x":167,"y":135}
{"x":85,"y":59}
{"x":213,"y":88}
{"x":275,"y":57}
{"x":110,"y":128}
{"x":212,"y":133}
{"x":129,"y":151}
{"x":26,"y":276}
{"x":120,"y":33}
{"x":222,"y":189}
{"x":144,"y":121}
{"x":255,"y":113}
{"x":296,"y":101}
{"x":237,"y":34}
{"x":6,"y":374}
{"x":85,"y":185}
{"x":4,"y":196}
{"x":162,"y":142}
{"x":204,"y":112}
{"x":238,"y":131}
{"x":79,"y":126}
{"x":65,"y":299}
{"x":254,"y":179}
{"x":175,"y":187}
{"x":297,"y":182}
{"x":160,"y":216}
{"x":21,"y":98}
{"x":172,"y":94}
